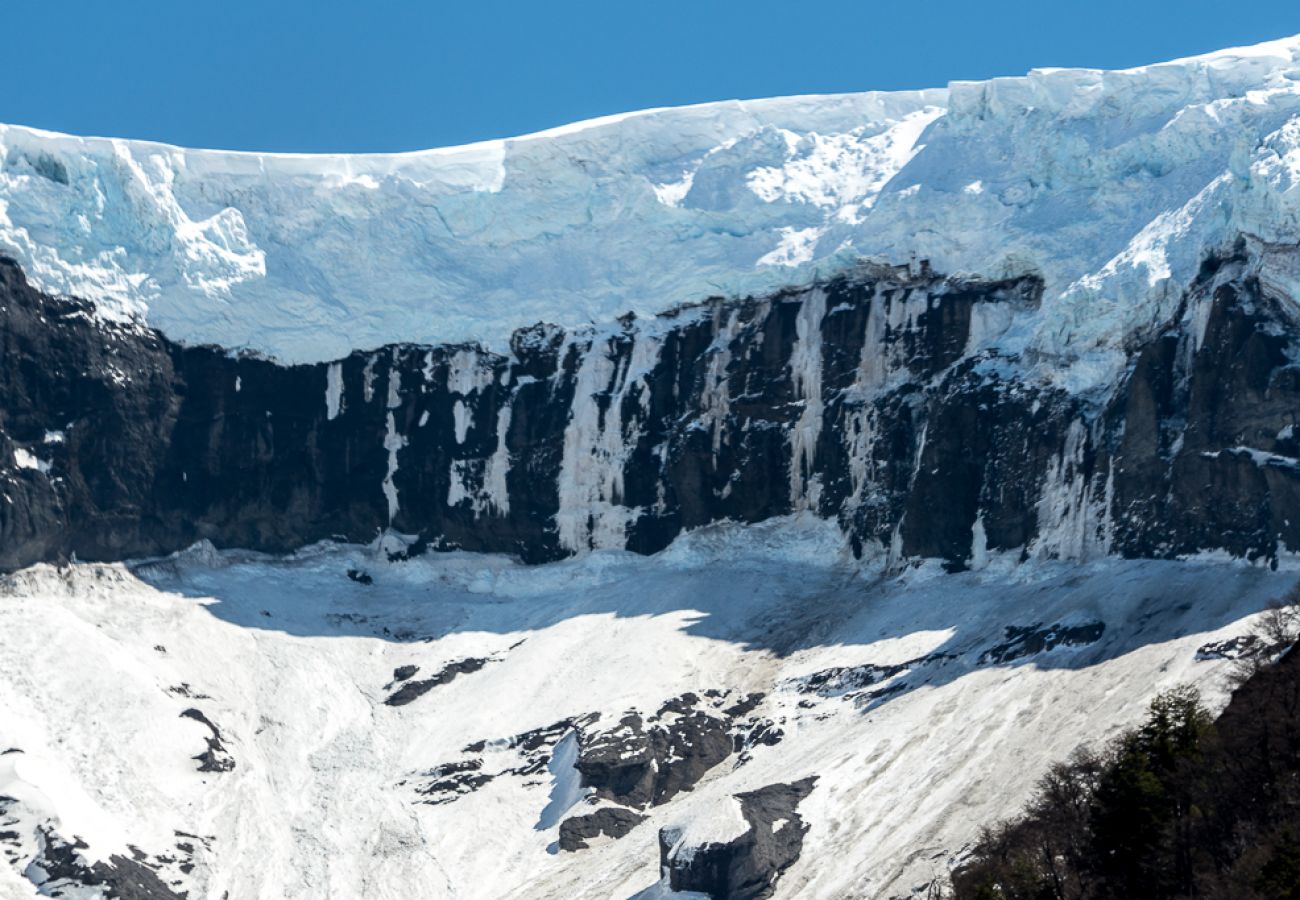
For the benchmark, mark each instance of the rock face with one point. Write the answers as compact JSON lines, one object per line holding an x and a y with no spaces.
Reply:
{"x":746,"y":867}
{"x":413,"y":690}
{"x":872,"y":398}
{"x":64,"y":871}
{"x":611,"y":822}
{"x":643,"y":763}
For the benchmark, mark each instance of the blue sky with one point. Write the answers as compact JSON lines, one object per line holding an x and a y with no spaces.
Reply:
{"x":339,"y":75}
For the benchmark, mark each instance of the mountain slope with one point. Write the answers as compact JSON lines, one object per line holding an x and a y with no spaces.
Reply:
{"x":924,"y":706}
{"x":870,"y":453}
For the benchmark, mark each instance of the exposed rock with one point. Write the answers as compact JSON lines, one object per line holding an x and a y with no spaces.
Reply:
{"x":450,"y":781}
{"x":1239,"y":647}
{"x":120,"y":877}
{"x":413,"y":690}
{"x":865,"y":398}
{"x":1028,"y":640}
{"x":216,"y":758}
{"x":747,"y":867}
{"x":759,"y":733}
{"x":841,"y":680}
{"x":528,"y":754}
{"x":641,"y":763}
{"x":611,"y":821}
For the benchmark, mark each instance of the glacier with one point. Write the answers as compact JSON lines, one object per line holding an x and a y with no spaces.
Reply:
{"x":1111,"y":186}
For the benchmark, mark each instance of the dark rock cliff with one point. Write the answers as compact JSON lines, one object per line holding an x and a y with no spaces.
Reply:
{"x":866,"y":398}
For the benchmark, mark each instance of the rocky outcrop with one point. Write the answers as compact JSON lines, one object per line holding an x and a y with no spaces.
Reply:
{"x":873,"y":398}
{"x":216,"y":758}
{"x":642,"y":763}
{"x":612,"y":822}
{"x":413,"y":690}
{"x":60,"y":869}
{"x":746,"y":867}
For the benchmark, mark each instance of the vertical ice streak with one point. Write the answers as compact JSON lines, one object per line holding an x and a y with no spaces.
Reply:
{"x":596,"y":447}
{"x":1071,"y":524}
{"x":368,"y":379}
{"x":497,"y":494}
{"x":882,"y":363}
{"x":333,"y":390}
{"x":715,"y":399}
{"x":460,"y":419}
{"x":482,"y":482}
{"x":392,"y":440}
{"x":806,"y":374}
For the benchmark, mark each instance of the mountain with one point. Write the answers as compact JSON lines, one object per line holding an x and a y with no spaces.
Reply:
{"x":750,"y":499}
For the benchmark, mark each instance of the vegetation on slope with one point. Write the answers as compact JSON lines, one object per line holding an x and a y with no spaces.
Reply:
{"x":1181,"y":806}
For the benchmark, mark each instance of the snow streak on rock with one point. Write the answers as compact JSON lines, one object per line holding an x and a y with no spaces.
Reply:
{"x":393,"y":441}
{"x":805,"y":373}
{"x":333,"y":391}
{"x":610,"y":401}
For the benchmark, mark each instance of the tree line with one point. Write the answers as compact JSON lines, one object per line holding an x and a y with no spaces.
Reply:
{"x":1182,"y":806}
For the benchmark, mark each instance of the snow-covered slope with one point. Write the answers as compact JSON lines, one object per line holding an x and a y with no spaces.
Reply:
{"x":925,"y":705}
{"x":1110,"y":185}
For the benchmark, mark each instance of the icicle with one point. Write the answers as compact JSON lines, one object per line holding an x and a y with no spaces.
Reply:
{"x":461,"y":419}
{"x":394,"y":384}
{"x":979,"y":544}
{"x":392,"y":443}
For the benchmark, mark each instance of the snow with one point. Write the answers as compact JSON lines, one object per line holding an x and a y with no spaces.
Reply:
{"x":333,"y":391}
{"x":1109,"y":185}
{"x":291,"y":660}
{"x":597,"y":444}
{"x":566,"y":786}
{"x":806,"y":376}
{"x":393,"y":442}
{"x":25,"y":459}
{"x":720,"y":823}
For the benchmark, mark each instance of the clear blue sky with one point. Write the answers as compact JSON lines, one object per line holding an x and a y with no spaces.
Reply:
{"x":341,"y":75}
